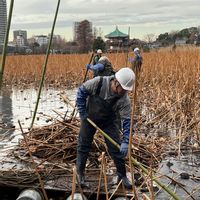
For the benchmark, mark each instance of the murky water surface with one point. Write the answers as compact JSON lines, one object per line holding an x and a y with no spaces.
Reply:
{"x":19,"y":105}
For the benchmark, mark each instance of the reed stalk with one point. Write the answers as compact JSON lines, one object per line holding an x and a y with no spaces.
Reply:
{"x":134,"y":102}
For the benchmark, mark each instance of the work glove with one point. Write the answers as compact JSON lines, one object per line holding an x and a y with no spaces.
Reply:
{"x":88,"y":66}
{"x":124,"y":148}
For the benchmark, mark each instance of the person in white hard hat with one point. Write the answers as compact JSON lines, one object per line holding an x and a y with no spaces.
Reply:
{"x":102,"y":68}
{"x":105,"y":101}
{"x":97,"y":56}
{"x":137,"y":60}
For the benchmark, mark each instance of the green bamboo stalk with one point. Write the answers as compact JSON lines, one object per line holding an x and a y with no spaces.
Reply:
{"x":135,"y":162}
{"x":45,"y":64}
{"x":3,"y":60}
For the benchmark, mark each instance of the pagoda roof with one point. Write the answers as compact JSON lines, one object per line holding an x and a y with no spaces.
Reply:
{"x":116,"y":34}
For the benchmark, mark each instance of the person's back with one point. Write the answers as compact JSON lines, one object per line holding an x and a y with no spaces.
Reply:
{"x":137,"y":61}
{"x":97,"y":57}
{"x":108,"y":69}
{"x":102,"y":68}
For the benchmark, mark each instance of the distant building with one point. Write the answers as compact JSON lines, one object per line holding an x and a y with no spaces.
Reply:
{"x":20,"y":37}
{"x":117,"y":40}
{"x":41,"y":39}
{"x":3,"y":20}
{"x":19,"y":41}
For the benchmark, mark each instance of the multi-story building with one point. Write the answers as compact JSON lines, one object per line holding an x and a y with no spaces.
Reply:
{"x":20,"y":37}
{"x":41,"y":39}
{"x":19,"y":41}
{"x":3,"y":20}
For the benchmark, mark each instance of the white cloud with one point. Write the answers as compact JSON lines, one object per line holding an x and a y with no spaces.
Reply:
{"x":143,"y":16}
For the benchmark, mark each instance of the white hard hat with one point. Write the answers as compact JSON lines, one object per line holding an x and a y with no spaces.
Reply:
{"x":99,"y":51}
{"x":136,"y":49}
{"x":104,"y":58}
{"x":126,"y":78}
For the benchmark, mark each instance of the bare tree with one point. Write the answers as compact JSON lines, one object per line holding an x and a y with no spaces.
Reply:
{"x":84,"y":36}
{"x":149,"y":37}
{"x":58,"y":43}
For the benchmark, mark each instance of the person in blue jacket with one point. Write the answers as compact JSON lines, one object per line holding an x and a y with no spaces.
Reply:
{"x":102,"y":68}
{"x":105,"y":100}
{"x":137,"y":60}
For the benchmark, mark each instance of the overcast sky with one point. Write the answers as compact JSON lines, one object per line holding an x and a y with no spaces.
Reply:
{"x":142,"y":16}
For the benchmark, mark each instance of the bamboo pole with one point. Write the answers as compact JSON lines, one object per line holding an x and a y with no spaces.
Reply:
{"x":3,"y":61}
{"x":45,"y":64}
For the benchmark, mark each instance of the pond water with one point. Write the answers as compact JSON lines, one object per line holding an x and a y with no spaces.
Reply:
{"x":188,"y":165}
{"x":16,"y":104}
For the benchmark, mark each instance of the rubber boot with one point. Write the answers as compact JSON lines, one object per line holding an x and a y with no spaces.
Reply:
{"x":80,"y":165}
{"x":81,"y":179}
{"x":82,"y":182}
{"x":127,"y":184}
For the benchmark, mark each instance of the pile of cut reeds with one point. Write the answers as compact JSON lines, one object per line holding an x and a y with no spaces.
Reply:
{"x":57,"y":143}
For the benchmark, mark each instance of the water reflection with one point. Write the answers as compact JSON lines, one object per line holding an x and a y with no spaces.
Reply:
{"x":6,"y":114}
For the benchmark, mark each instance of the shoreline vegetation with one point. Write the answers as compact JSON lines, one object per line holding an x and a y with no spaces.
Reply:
{"x":69,"y":70}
